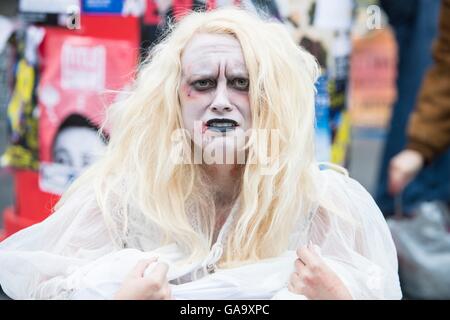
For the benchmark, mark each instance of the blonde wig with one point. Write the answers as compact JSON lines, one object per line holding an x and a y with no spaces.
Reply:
{"x":135,"y":178}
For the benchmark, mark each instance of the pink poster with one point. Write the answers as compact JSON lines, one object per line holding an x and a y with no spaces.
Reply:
{"x":80,"y":78}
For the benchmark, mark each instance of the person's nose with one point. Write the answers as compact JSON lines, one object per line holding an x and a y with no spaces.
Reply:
{"x":221,"y":102}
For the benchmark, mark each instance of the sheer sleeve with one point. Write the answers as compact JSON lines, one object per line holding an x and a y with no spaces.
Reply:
{"x":40,"y":262}
{"x":354,"y":239}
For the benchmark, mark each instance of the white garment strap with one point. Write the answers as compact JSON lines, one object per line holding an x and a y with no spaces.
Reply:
{"x":209,"y":264}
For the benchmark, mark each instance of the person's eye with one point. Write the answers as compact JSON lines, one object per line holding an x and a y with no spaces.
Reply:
{"x":62,"y":157}
{"x":204,"y":84}
{"x":87,"y":160}
{"x":240,"y":83}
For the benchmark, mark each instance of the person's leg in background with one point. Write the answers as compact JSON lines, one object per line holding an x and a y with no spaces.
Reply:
{"x":415,"y":26}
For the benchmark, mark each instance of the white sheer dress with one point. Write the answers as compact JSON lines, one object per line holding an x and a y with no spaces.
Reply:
{"x":70,"y":255}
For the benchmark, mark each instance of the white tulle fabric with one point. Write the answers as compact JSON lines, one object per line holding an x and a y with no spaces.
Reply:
{"x":70,"y":255}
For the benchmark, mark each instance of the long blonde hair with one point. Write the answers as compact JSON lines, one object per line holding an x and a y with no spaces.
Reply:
{"x":281,"y":94}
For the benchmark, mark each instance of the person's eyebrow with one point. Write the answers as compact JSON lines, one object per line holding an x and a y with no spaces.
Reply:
{"x":231,"y":71}
{"x":236,"y":70}
{"x":60,"y":150}
{"x":237,"y":74}
{"x":201,"y":73}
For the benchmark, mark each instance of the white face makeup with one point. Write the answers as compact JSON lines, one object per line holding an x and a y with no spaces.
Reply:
{"x":214,"y":92}
{"x":77,"y":147}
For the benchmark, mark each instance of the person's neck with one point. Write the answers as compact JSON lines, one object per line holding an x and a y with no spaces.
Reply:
{"x":225,"y":186}
{"x":225,"y":181}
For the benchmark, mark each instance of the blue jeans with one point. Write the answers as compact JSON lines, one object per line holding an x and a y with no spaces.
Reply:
{"x":415,"y":25}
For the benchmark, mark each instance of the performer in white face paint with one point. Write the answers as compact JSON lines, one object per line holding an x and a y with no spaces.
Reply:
{"x":142,"y":223}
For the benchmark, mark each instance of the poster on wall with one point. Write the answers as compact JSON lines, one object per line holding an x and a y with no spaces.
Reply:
{"x":102,"y":6}
{"x":80,"y":76}
{"x":373,"y":76}
{"x":115,"y":7}
{"x":22,"y":149}
{"x":48,"y":12}
{"x":21,"y":113}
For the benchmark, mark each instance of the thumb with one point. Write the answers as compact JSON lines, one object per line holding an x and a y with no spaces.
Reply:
{"x":393,"y":187}
{"x":141,"y":266}
{"x":396,"y":180}
{"x":159,"y":272}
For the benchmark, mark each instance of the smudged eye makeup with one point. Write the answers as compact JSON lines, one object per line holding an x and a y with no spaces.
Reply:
{"x":240,"y":84}
{"x":204,"y":84}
